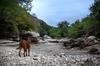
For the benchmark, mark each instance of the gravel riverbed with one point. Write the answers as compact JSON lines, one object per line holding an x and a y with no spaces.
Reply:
{"x":47,"y":54}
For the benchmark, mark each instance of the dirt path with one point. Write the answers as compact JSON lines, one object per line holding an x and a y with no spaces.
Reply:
{"x":46,"y":54}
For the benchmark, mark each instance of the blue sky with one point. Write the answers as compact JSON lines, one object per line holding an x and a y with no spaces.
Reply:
{"x":54,"y":11}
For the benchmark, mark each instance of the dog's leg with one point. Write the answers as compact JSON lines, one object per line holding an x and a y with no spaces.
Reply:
{"x":28,"y":52}
{"x":19,"y":52}
{"x":25,"y":53}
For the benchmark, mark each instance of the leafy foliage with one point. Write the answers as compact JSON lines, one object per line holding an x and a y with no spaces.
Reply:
{"x":95,"y":9}
{"x":14,"y":20}
{"x":55,"y":33}
{"x":44,"y":28}
{"x":89,"y":25}
{"x":81,"y":28}
{"x":26,"y":4}
{"x":76,"y":29}
{"x":95,"y":14}
{"x":63,"y":27}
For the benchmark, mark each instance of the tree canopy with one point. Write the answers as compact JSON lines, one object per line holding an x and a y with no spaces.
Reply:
{"x":14,"y":18}
{"x":95,"y":14}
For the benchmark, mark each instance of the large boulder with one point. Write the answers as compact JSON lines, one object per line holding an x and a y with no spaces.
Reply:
{"x":91,"y":40}
{"x":79,"y":42}
{"x":91,"y":37}
{"x":35,"y":35}
{"x":46,"y":37}
{"x":68,"y":43}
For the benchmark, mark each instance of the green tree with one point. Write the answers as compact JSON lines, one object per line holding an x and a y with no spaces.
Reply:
{"x":54,"y":33}
{"x":89,"y":26}
{"x":95,"y":14}
{"x":14,"y":19}
{"x":95,"y":10}
{"x":44,"y":28}
{"x":76,"y":29}
{"x":63,"y":27}
{"x":26,"y":4}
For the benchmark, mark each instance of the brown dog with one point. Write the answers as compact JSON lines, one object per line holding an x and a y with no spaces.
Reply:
{"x":25,"y":44}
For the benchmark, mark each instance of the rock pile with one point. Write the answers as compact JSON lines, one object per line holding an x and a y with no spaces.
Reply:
{"x":81,"y":42}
